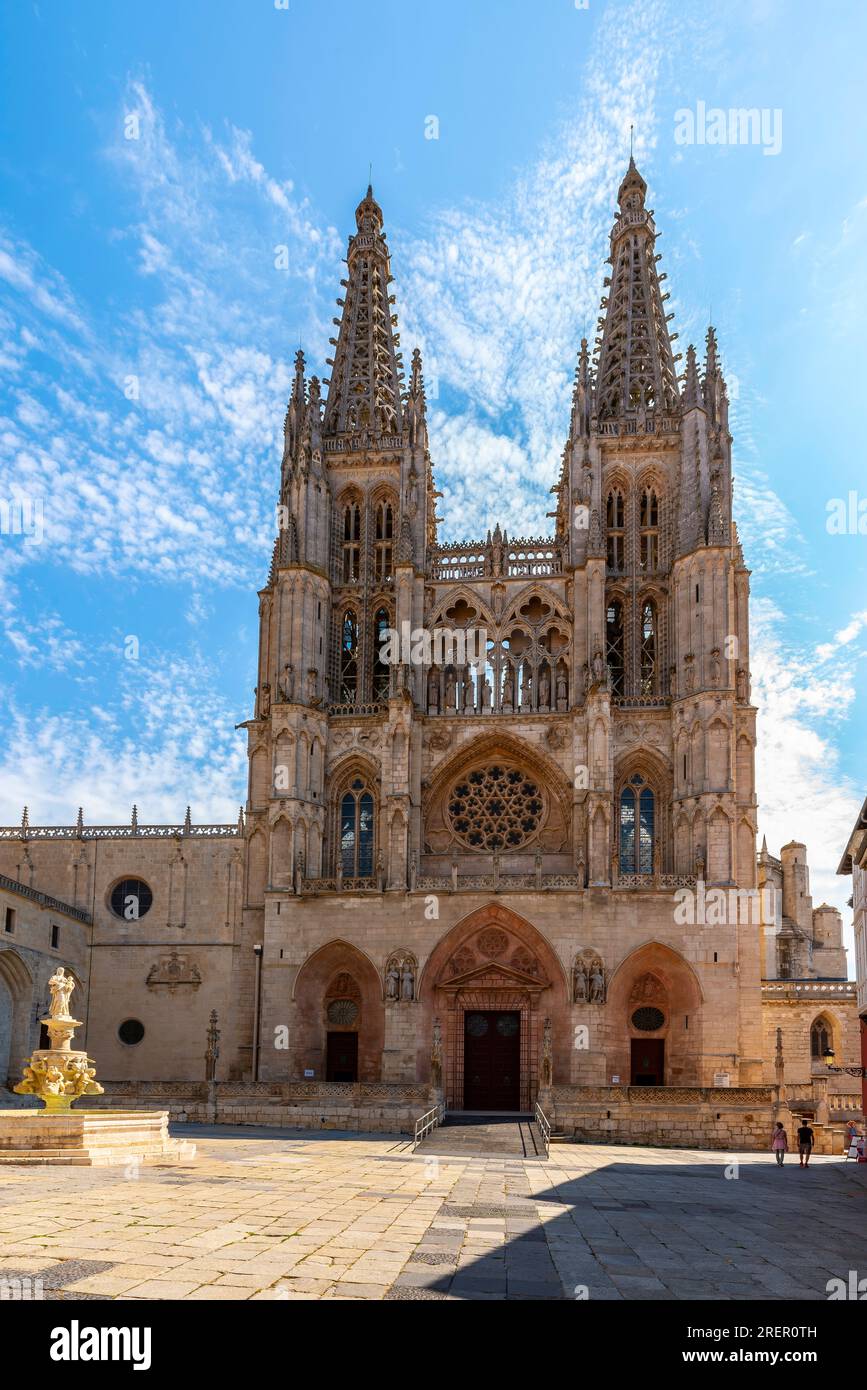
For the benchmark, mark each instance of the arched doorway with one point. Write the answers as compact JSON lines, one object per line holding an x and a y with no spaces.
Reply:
{"x":492,"y":982}
{"x":339,"y":1031}
{"x":654,"y":1006}
{"x":16,"y":1003}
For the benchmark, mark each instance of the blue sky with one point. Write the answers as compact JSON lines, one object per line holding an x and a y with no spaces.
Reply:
{"x":147,"y":337}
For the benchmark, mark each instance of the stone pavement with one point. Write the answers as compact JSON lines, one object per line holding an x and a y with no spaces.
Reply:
{"x":285,"y":1215}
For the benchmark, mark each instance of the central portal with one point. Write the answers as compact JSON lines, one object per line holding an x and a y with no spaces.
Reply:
{"x":492,"y":1060}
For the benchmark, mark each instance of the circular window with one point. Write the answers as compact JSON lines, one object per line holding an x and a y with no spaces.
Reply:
{"x":496,"y":807}
{"x":131,"y":1032}
{"x":648,"y":1020}
{"x":342,"y":1011}
{"x":131,"y":899}
{"x":477,"y":1025}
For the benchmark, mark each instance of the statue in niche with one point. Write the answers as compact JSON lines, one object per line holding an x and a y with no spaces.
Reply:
{"x":597,"y":984}
{"x":544,"y":688}
{"x":600,"y":670}
{"x":689,"y":680}
{"x":508,"y":689}
{"x":562,"y":692}
{"x":450,"y":690}
{"x":469,"y":703}
{"x":741,"y":681}
{"x":286,"y":684}
{"x":715,"y":667}
{"x":579,"y":982}
{"x":392,"y":982}
{"x":407,"y":983}
{"x":433,"y":692}
{"x":486,"y":694}
{"x":380,"y":871}
{"x":672,"y":682}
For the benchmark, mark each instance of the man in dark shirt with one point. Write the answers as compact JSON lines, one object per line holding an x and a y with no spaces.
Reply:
{"x":805,"y":1144}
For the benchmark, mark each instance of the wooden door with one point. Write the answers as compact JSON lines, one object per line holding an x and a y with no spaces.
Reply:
{"x":648,"y":1058}
{"x":342,"y":1057}
{"x":492,"y":1060}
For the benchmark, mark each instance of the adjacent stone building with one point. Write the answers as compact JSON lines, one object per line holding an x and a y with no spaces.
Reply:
{"x":854,"y":862}
{"x":494,"y":783}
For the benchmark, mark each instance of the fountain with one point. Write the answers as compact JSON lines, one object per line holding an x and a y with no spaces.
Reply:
{"x":58,"y":1076}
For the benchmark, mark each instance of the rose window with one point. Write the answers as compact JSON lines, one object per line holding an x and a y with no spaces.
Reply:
{"x":496,"y":807}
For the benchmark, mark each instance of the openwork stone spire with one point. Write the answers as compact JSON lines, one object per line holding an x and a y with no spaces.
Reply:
{"x":364,"y":394}
{"x":636,"y":369}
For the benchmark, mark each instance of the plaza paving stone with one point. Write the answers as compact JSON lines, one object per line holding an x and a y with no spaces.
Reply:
{"x":264,"y":1214}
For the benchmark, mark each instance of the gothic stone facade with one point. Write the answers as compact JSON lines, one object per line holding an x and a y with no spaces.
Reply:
{"x":455,"y":870}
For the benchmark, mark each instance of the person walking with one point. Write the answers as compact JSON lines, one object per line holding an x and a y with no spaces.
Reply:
{"x":780,"y":1143}
{"x":805,"y":1144}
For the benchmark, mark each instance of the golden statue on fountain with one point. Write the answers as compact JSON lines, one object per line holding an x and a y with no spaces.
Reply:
{"x":58,"y":1075}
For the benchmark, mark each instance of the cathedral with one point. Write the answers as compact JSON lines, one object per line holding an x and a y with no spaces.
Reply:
{"x":493,"y":783}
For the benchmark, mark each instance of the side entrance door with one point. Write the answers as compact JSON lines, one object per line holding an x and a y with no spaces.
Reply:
{"x":648,"y":1056}
{"x":342,"y":1057}
{"x":492,"y":1060}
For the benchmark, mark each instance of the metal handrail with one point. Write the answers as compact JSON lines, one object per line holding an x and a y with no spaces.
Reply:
{"x":545,"y":1126}
{"x":427,"y":1123}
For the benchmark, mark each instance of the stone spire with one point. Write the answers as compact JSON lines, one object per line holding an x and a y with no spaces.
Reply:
{"x":636,"y":367}
{"x":364,"y":394}
{"x":581,"y":395}
{"x":691,"y":389}
{"x":415,"y":403}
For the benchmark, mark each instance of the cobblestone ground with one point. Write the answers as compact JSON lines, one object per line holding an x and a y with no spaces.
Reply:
{"x":277,"y":1215}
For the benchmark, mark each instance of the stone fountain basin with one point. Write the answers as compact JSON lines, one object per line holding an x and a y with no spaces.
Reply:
{"x":92,"y":1138}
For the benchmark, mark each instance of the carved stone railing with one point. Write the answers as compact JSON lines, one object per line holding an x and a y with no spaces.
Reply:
{"x":503,"y":883}
{"x":353,"y":1091}
{"x":664,"y":1095}
{"x":116,"y":832}
{"x":335,"y":885}
{"x":654,"y":424}
{"x":800,"y":989}
{"x":373,"y":707}
{"x":53,"y":904}
{"x":640,"y":701}
{"x":653,"y":881}
{"x":515,"y":559}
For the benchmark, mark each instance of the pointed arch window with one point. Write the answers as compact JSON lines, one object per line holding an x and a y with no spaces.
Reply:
{"x":381,"y":672}
{"x":357,"y":831}
{"x":615,"y":521}
{"x":649,"y":527}
{"x":383,"y":553}
{"x":637,"y":827}
{"x":820,"y":1040}
{"x":349,"y":658}
{"x":614,"y":645}
{"x":648,"y":648}
{"x":351,"y":543}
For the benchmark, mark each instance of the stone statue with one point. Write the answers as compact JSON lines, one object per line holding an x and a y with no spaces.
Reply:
{"x":585,"y":678}
{"x":597,"y":984}
{"x":436,"y":1056}
{"x":433,"y":692}
{"x":544,"y":688}
{"x":265,"y":703}
{"x":562,"y":692}
{"x":600,"y":669}
{"x":380,"y":871}
{"x":392,"y":981}
{"x":672,"y":682}
{"x":407,"y":983}
{"x":469,"y":702}
{"x":715,"y":667}
{"x":61,"y":986}
{"x":486,"y":694}
{"x":508,"y":688}
{"x":741,"y":680}
{"x":579,"y":983}
{"x":450,"y":690}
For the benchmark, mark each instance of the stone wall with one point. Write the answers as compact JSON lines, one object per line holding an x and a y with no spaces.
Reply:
{"x":737,"y":1118}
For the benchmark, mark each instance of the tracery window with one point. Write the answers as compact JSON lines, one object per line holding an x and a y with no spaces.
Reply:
{"x":647,"y":651}
{"x":357,"y":831}
{"x":495,"y":807}
{"x":615,"y":645}
{"x":637,"y":827}
{"x":381,"y":674}
{"x":383,"y":551}
{"x":351,"y":543}
{"x":615,"y":521}
{"x":820,"y":1039}
{"x":649,"y":527}
{"x":349,"y":658}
